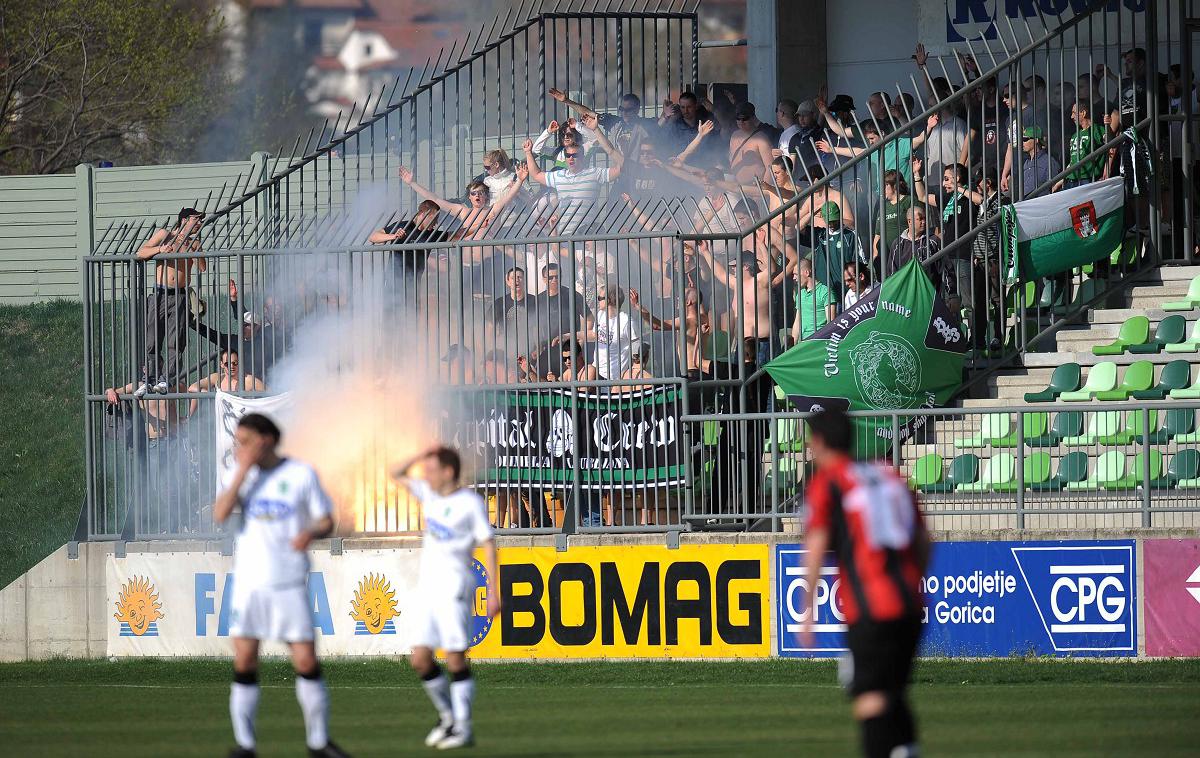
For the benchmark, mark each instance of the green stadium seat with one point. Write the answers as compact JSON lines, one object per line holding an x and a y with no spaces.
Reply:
{"x":1101,"y":378}
{"x":1072,"y":467}
{"x":1139,"y":375}
{"x":1052,"y":296}
{"x":999,"y":475}
{"x":1134,"y":475}
{"x":1135,"y":331}
{"x":964,"y":469}
{"x":927,"y":471}
{"x":1034,"y":470}
{"x":1175,"y":375}
{"x":1190,"y":345}
{"x":1110,"y":467}
{"x":1066,"y":378}
{"x":1126,"y":253}
{"x":1191,"y":392}
{"x":1137,"y":426}
{"x":1023,"y":294}
{"x":1189,"y":301}
{"x":1035,"y":425}
{"x":992,"y":426}
{"x":784,"y":474}
{"x":1185,"y":464}
{"x":1178,"y":422}
{"x":1168,"y":332}
{"x":789,"y":433}
{"x":1103,"y":425}
{"x":1087,"y":290}
{"x":1065,"y":424}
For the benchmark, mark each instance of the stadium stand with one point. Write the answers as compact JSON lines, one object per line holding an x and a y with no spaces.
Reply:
{"x":654,"y":259}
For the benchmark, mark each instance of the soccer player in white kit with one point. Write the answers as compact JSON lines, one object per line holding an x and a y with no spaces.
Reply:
{"x":456,"y":522}
{"x":283,"y":510}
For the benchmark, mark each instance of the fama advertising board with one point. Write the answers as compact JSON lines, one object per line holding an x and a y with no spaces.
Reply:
{"x":988,"y":599}
{"x":602,"y":602}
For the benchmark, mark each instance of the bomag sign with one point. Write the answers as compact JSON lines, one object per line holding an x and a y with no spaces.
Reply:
{"x":709,"y":601}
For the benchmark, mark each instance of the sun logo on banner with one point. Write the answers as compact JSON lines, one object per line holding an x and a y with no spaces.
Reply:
{"x":138,"y":608}
{"x":374,"y":606}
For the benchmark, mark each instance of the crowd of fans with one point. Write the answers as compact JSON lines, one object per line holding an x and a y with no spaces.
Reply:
{"x":655,"y":303}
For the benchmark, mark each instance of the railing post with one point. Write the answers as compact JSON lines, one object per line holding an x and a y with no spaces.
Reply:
{"x":896,"y":440}
{"x":1152,"y":104}
{"x":1020,"y":470}
{"x":1146,"y":499}
{"x":1189,"y":81}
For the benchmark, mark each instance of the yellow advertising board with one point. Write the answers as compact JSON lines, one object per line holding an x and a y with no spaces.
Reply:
{"x":697,"y":601}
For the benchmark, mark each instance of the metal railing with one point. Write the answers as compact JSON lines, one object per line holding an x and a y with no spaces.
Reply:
{"x":637,"y":320}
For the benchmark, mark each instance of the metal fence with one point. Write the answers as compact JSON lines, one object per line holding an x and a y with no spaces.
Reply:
{"x":531,"y":330}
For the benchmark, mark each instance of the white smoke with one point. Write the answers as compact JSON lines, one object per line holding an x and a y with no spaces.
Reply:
{"x":355,"y":370}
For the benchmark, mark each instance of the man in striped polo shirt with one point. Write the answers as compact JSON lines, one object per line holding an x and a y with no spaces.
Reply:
{"x":578,"y":187}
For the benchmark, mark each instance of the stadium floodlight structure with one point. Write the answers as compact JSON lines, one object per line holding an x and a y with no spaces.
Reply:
{"x":292,"y":235}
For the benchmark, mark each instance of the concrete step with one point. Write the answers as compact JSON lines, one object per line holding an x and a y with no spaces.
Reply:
{"x":1088,"y":359}
{"x":1119,"y":316}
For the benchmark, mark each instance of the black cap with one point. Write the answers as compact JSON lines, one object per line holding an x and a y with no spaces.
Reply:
{"x":744,"y":110}
{"x":842,"y":103}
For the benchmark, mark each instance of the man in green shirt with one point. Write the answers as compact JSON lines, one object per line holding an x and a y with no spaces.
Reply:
{"x":815,"y":305}
{"x":1089,"y":137}
{"x":833,"y":247}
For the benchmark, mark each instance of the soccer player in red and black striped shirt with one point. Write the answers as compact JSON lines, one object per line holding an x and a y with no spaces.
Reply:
{"x":869,"y":518}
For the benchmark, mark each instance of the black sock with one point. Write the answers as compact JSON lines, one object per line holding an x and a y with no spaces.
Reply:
{"x":433,"y":673}
{"x":906,"y":727}
{"x":879,"y":736}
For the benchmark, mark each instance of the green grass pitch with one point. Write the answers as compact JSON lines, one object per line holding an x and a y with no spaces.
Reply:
{"x":1008,"y":707}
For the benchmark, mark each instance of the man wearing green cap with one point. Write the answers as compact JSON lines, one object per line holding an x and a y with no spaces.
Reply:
{"x":1039,"y":165}
{"x":833,"y":247}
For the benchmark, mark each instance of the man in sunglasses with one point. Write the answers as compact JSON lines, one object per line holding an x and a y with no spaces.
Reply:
{"x":578,"y":187}
{"x":623,"y":129}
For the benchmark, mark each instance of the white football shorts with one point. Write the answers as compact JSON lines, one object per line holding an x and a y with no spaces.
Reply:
{"x":279,"y":614}
{"x":441,"y":621}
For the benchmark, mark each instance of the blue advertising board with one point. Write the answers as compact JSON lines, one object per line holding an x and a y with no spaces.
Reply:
{"x":1065,"y":598}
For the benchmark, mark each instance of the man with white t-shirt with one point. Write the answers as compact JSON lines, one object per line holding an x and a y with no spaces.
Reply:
{"x":616,"y":334}
{"x":284,"y":509}
{"x":456,"y":522}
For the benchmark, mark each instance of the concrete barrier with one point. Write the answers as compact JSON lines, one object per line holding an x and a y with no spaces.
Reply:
{"x":64,"y":606}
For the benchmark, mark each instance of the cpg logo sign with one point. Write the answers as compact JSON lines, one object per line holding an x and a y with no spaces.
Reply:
{"x":1085,"y":595}
{"x":829,"y":621}
{"x":986,"y":599}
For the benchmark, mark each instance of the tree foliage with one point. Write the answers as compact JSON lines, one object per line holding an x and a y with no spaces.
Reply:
{"x":125,"y":80}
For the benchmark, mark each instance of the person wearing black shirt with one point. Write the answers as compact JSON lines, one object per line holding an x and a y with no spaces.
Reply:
{"x":422,"y":227}
{"x":558,"y":313}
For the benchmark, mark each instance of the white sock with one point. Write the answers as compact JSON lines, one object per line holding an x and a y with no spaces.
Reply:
{"x":438,"y":690}
{"x":462,"y":692}
{"x":314,"y":704}
{"x":243,"y":705}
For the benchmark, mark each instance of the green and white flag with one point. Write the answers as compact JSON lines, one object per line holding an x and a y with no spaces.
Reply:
{"x":1061,"y":231}
{"x":896,"y":349}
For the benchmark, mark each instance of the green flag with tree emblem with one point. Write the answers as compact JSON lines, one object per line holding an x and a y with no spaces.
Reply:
{"x":898,"y":348}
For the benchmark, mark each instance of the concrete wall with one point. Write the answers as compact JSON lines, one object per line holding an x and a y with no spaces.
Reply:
{"x":59,"y":608}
